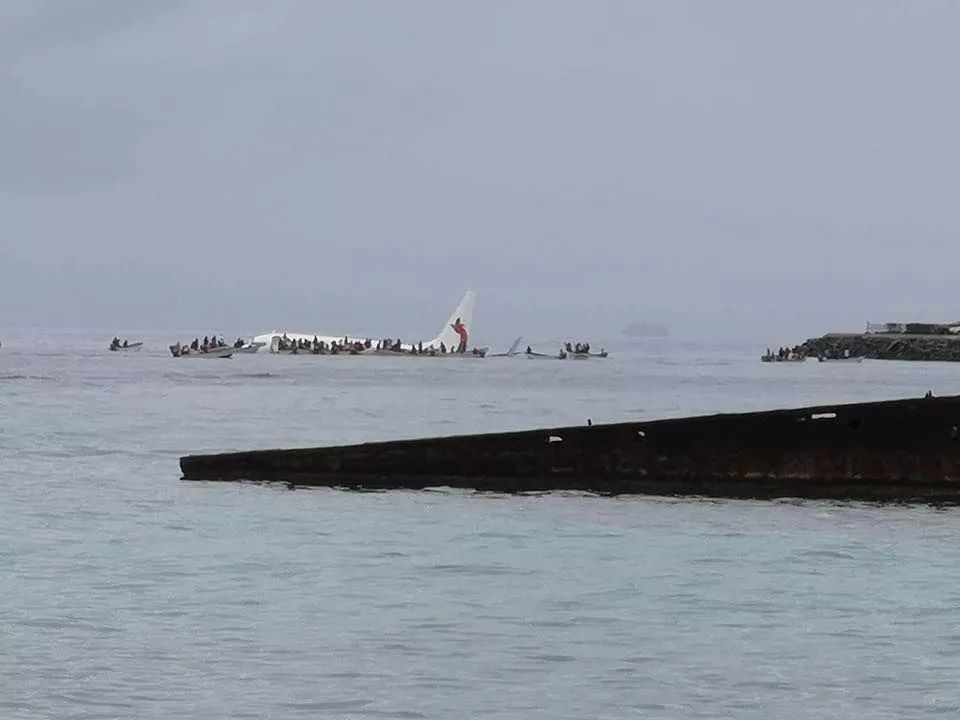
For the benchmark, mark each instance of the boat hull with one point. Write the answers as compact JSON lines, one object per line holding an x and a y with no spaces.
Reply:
{"x":544,"y":356}
{"x":223,"y":352}
{"x":904,"y":450}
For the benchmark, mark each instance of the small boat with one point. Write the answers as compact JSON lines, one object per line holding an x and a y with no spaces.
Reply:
{"x":181,"y":351}
{"x":474,"y":354}
{"x":125,"y":347}
{"x":789,"y":359}
{"x":587,"y":355}
{"x":531,"y":355}
{"x":246,"y":348}
{"x":852,"y":359}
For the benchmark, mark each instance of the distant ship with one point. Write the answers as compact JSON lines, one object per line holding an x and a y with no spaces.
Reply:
{"x":646,"y":330}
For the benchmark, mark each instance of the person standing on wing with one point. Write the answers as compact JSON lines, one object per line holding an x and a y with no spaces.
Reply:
{"x":461,"y":330}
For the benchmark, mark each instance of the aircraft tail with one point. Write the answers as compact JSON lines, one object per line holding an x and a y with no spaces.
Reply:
{"x":455,"y":334}
{"x":515,"y":347}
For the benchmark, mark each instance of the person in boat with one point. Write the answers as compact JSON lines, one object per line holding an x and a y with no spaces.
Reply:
{"x":567,"y":347}
{"x":443,"y":348}
{"x":125,"y":343}
{"x":529,"y":350}
{"x":420,"y":348}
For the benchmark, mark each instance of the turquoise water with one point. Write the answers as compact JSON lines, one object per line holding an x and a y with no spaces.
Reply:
{"x":129,"y":593}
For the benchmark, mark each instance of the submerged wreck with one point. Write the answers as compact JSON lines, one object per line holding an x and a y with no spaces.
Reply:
{"x":900,"y":450}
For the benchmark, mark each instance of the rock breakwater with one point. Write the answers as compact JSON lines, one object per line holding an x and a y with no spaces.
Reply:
{"x":886,"y":346}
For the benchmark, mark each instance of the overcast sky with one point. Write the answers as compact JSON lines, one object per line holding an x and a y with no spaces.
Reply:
{"x":780,"y":168}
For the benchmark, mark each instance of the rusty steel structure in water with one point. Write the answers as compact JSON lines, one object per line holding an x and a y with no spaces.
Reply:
{"x":899,"y":450}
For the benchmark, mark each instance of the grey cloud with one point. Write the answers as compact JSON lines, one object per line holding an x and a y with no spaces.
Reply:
{"x":751,"y":168}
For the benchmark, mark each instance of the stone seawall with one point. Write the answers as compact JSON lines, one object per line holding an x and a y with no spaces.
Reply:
{"x":879,"y":346}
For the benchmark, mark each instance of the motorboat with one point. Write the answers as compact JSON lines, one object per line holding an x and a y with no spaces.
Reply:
{"x":851,"y":359}
{"x":788,"y":359}
{"x":125,"y":346}
{"x":184,"y":351}
{"x":532,"y":355}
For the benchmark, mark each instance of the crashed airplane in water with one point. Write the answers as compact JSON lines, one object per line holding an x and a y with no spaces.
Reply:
{"x":454,"y":336}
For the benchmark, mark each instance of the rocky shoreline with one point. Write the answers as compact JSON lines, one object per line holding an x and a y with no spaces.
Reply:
{"x":886,"y":346}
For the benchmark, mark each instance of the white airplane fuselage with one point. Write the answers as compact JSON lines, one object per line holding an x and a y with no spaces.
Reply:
{"x":455,"y":331}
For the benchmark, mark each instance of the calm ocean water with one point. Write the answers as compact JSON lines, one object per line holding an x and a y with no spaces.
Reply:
{"x":127,"y":593}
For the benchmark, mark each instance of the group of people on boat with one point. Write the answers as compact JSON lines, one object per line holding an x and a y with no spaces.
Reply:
{"x":356,"y":347}
{"x":321,"y":347}
{"x":418,"y":349}
{"x":211,"y":342}
{"x":785,"y":354}
{"x":577,"y":350}
{"x":115,"y":344}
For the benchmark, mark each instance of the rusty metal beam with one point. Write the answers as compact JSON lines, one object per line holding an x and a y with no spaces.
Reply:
{"x":902,"y":450}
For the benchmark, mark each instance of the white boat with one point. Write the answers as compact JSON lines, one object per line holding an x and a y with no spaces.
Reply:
{"x":180,"y":351}
{"x":853,"y":359}
{"x":454,"y":337}
{"x":128,"y":347}
{"x":532,"y":355}
{"x":246,"y":349}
